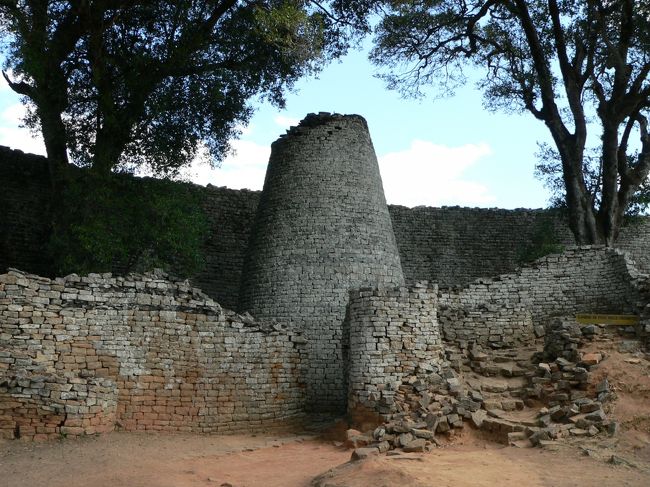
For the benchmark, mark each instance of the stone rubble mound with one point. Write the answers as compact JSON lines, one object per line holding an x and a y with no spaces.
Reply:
{"x":524,"y":397}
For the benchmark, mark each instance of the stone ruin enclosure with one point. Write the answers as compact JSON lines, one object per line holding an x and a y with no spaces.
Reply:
{"x":327,"y":321}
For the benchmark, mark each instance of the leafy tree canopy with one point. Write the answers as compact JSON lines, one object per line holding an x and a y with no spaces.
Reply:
{"x":574,"y":65}
{"x":117,"y":84}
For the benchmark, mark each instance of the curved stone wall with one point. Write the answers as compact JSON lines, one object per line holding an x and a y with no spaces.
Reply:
{"x":80,"y":355}
{"x":322,"y":228}
{"x":394,"y":334}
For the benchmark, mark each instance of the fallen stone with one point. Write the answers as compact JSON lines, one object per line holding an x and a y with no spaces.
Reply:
{"x":514,"y":436}
{"x":417,"y":445}
{"x":358,"y":441}
{"x":597,"y":416}
{"x":509,"y":404}
{"x":476,"y":396}
{"x":478,"y":356}
{"x":522,"y":443}
{"x":559,"y":414}
{"x":478,"y":417}
{"x":425,"y":434}
{"x":383,"y":446}
{"x":591,"y":330}
{"x":578,"y":432}
{"x":362,"y":453}
{"x":549,"y":445}
{"x":539,"y":436}
{"x":379,"y":432}
{"x":443,"y":425}
{"x":404,"y":439}
{"x":590,"y":407}
{"x":602,"y":386}
{"x":591,"y":358}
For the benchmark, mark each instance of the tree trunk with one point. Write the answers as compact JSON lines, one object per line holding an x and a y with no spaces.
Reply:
{"x":579,"y":201}
{"x":608,"y":212}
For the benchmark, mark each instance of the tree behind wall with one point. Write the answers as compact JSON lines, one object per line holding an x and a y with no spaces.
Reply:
{"x":564,"y":62}
{"x":118,"y":86}
{"x":123,"y":224}
{"x":125,"y":84}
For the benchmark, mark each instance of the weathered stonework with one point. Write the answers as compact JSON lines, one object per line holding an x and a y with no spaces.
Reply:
{"x":322,"y":229}
{"x":449,"y":245}
{"x":335,"y":326}
{"x":580,"y":280}
{"x":398,"y":334}
{"x":81,"y":355}
{"x":394,"y":334}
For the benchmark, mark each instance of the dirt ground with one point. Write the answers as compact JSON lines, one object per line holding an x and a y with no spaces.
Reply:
{"x":293,"y":460}
{"x":148,"y":460}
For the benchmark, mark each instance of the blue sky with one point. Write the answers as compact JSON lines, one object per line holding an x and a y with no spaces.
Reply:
{"x":434,"y":152}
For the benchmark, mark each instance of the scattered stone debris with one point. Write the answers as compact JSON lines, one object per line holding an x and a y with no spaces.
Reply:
{"x":523,"y":397}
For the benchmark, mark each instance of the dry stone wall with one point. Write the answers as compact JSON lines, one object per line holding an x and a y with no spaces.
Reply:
{"x":80,"y":355}
{"x":454,"y":245}
{"x":230,"y":215}
{"x":496,"y":327}
{"x":450,"y":246}
{"x":501,"y":311}
{"x":24,"y":211}
{"x":394,"y":334}
{"x":322,"y":228}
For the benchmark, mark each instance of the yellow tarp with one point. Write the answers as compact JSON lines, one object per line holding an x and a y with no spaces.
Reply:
{"x":596,"y":319}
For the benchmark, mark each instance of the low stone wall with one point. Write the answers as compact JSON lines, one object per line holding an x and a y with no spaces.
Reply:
{"x":496,"y":328}
{"x":79,"y":355}
{"x":393,"y":334}
{"x":580,"y":280}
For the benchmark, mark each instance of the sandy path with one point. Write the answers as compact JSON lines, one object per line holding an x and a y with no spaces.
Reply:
{"x":140,"y":460}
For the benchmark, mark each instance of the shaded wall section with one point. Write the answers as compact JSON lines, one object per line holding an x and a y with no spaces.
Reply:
{"x":25,"y":195}
{"x":449,"y":245}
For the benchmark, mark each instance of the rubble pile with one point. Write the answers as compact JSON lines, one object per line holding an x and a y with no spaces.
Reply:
{"x":522,"y":397}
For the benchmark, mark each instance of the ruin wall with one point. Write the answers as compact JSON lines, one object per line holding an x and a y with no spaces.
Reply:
{"x":398,"y":334}
{"x":501,"y":311}
{"x":86,"y":355}
{"x":454,"y":245}
{"x":449,"y":245}
{"x":393,"y":334}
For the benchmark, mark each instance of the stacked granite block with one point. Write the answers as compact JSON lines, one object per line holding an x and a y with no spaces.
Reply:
{"x":81,"y":354}
{"x":322,"y":228}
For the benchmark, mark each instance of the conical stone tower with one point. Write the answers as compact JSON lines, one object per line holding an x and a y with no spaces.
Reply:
{"x":322,"y":228}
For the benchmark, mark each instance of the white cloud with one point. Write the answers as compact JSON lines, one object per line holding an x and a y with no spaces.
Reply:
{"x":286,"y":122}
{"x":13,"y":136}
{"x":245,"y":168}
{"x":432,"y":175}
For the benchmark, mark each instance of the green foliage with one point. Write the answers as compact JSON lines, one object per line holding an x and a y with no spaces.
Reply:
{"x":577,"y":66}
{"x":549,"y":171}
{"x":544,"y":241}
{"x":149,"y":83}
{"x":121,"y":223}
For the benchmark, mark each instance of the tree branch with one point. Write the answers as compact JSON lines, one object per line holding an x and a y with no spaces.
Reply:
{"x":20,"y":87}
